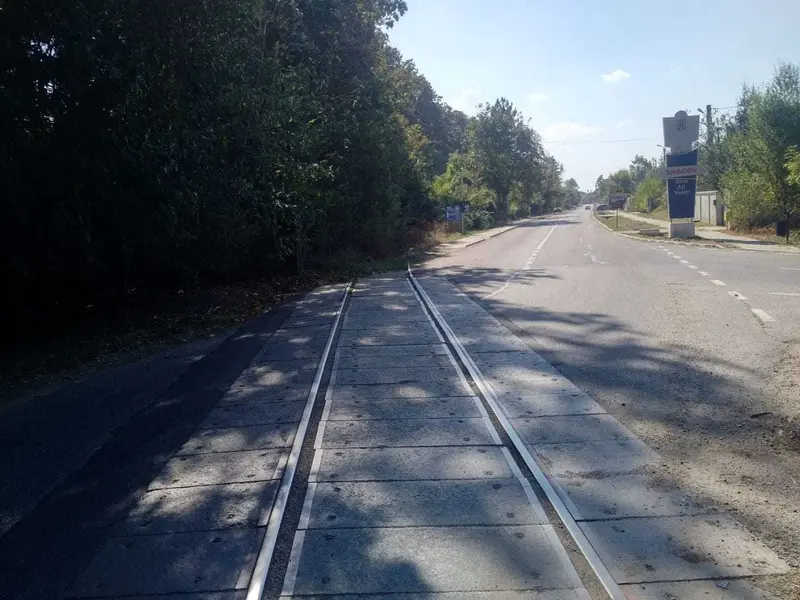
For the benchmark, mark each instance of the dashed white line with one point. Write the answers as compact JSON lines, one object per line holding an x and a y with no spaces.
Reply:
{"x":718,"y":282}
{"x":531,"y":258}
{"x":763,"y":315}
{"x":684,"y":261}
{"x":737,"y":295}
{"x":704,"y":273}
{"x":783,"y":294}
{"x":692,"y":266}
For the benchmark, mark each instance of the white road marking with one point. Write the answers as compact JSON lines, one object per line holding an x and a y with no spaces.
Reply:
{"x":691,"y":266}
{"x":763,"y":315}
{"x":737,"y":295}
{"x":704,"y":273}
{"x":531,"y":258}
{"x":783,"y":294}
{"x":684,"y":261}
{"x":718,"y":282}
{"x":676,"y":256}
{"x":790,"y":268}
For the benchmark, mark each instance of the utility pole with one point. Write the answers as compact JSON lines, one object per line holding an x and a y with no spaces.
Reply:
{"x":709,"y":126}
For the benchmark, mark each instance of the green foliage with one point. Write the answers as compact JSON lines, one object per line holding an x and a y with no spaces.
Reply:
{"x":478,"y":219}
{"x":652,"y":188}
{"x":749,"y":201}
{"x":148,"y":146}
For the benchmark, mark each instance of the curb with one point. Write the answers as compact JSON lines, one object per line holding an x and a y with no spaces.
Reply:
{"x":489,"y":237}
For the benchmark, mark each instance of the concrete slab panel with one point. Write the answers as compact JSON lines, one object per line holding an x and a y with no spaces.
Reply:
{"x":212,"y":469}
{"x":577,"y":428}
{"x":423,"y":503}
{"x":398,"y":375}
{"x":705,"y":590}
{"x":371,"y":319}
{"x":406,"y":432}
{"x":477,"y":342}
{"x":283,"y":365}
{"x":256,"y":437}
{"x":598,"y":459}
{"x":409,"y":464}
{"x":427,"y":389}
{"x":173,"y":563}
{"x":533,"y":386}
{"x":390,"y":362}
{"x":202,"y":508}
{"x":271,"y":376}
{"x":304,"y":321}
{"x":546,"y":405}
{"x":621,"y":496}
{"x":355,"y":352}
{"x":255,"y":394}
{"x":526,"y":359}
{"x":243,"y":415}
{"x":426,"y":559}
{"x":562,"y":594}
{"x":278,"y":352}
{"x":682,"y":548}
{"x":366,"y":338}
{"x":387,"y":328}
{"x":403,"y":408}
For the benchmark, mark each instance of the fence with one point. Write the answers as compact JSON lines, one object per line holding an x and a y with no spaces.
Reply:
{"x":708,"y":208}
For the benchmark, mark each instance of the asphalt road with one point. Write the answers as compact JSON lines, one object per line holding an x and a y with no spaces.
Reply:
{"x":689,"y":365}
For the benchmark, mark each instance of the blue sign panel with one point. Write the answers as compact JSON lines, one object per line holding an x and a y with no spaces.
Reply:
{"x":453,"y":213}
{"x":681,"y":192}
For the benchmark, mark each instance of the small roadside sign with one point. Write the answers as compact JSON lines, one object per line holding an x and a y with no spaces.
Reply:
{"x":453,"y":213}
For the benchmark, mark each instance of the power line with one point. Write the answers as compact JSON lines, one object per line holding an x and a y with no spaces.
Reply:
{"x":601,"y":141}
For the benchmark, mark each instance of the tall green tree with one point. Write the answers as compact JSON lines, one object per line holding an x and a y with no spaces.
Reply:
{"x":504,"y":150}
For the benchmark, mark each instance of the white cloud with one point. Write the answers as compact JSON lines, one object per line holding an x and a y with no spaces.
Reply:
{"x":615,"y":76}
{"x":626,"y":124}
{"x":567,"y":130}
{"x":467,"y":101}
{"x":538,"y":97}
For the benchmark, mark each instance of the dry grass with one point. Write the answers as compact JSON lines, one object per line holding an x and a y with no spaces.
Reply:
{"x":767,"y":234}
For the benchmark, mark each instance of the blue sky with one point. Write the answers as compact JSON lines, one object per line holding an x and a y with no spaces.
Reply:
{"x":588,"y":71}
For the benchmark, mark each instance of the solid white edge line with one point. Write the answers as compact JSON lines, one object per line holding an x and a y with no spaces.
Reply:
{"x":305,"y":514}
{"x":538,"y":509}
{"x":278,"y":473}
{"x":601,"y":571}
{"x":315,"y":465}
{"x":259,"y":578}
{"x":294,"y":563}
{"x":763,"y":315}
{"x":783,"y":294}
{"x":487,"y":421}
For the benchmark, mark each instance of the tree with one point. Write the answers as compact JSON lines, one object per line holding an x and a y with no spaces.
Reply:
{"x":503,"y":149}
{"x":621,"y":182}
{"x":641,"y":168}
{"x":759,"y":183}
{"x":572,"y":192}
